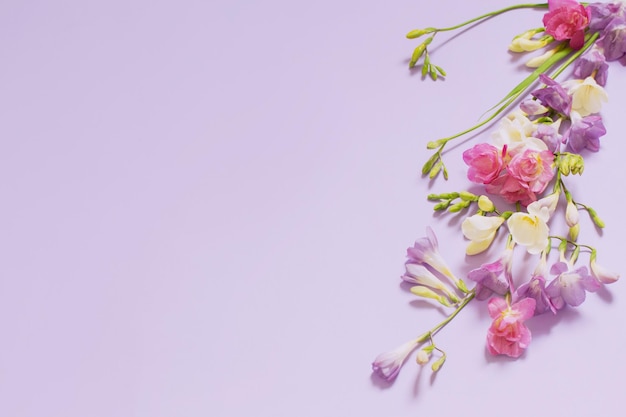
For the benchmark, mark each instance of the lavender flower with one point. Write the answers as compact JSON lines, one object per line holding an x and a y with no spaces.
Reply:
{"x":614,"y":39}
{"x":553,"y":95}
{"x":426,"y":251}
{"x":387,"y":365}
{"x":570,"y":285}
{"x":536,"y":289}
{"x":489,"y":280}
{"x":603,"y":13}
{"x":584,"y":133}
{"x":592,"y":62}
{"x":549,"y":134}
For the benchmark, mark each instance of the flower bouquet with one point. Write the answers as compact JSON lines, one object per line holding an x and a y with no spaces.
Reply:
{"x":543,"y":129}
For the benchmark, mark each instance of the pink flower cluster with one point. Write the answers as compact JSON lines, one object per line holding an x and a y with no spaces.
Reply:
{"x":508,"y":335}
{"x":567,"y":19}
{"x":516,"y":175}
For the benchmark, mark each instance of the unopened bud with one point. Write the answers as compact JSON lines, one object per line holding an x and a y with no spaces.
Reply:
{"x":573,"y":232}
{"x":485,"y":204}
{"x":571,"y":214}
{"x":437,"y":364}
{"x":416,"y":33}
{"x":423,"y":357}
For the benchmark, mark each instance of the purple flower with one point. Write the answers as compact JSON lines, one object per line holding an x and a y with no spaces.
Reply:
{"x":489,"y":280}
{"x":585,"y":133}
{"x":549,"y":134}
{"x":426,"y":251}
{"x":570,"y":285}
{"x":593,"y":62}
{"x":614,"y":40}
{"x":387,"y":365}
{"x":536,"y":289}
{"x":553,"y":95}
{"x":603,"y":13}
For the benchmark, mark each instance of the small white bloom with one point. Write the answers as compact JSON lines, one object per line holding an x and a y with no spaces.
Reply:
{"x":571,"y":214}
{"x":516,"y":131}
{"x":531,"y":229}
{"x":481,"y":230}
{"x":587,"y":95}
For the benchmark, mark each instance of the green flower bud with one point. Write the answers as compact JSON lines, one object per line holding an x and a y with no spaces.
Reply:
{"x":426,"y":292}
{"x":595,"y":218}
{"x":437,"y":364}
{"x":442,"y":206}
{"x":435,"y":170}
{"x":467,"y":196}
{"x":573,"y":232}
{"x":416,"y":33}
{"x":455,"y":208}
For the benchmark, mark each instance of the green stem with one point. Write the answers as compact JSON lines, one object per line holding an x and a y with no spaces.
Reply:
{"x":590,"y":41}
{"x":495,"y":13}
{"x":448,"y":319}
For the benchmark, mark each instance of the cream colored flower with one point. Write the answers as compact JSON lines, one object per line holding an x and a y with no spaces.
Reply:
{"x":516,"y":130}
{"x":587,"y":96}
{"x":481,"y":230}
{"x":531,"y":229}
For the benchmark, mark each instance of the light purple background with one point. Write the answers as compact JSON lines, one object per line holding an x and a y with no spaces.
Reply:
{"x":206,"y":205}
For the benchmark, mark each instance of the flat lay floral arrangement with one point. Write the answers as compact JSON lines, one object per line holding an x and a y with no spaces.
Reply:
{"x":542,"y":131}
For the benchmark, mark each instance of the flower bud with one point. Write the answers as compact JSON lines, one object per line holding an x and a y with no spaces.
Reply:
{"x":601,"y":274}
{"x":423,"y":357}
{"x":437,"y":364}
{"x":571,"y":214}
{"x":573,"y":232}
{"x":416,"y":33}
{"x":485,"y":204}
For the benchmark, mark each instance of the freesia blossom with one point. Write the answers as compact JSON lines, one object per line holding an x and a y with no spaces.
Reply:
{"x":592,"y":62}
{"x":420,"y":275}
{"x":587,"y":95}
{"x":603,"y":275}
{"x":489,"y":279}
{"x":567,"y":19}
{"x":533,"y":168}
{"x":481,"y":230}
{"x":549,"y":134}
{"x":511,"y":189}
{"x":508,"y":335}
{"x":387,"y":365}
{"x":570,"y":285}
{"x":603,"y":13}
{"x":614,"y":40}
{"x":530,"y":229}
{"x":516,"y":130}
{"x":585,"y":133}
{"x":485,"y":163}
{"x":535,"y":288}
{"x":426,"y":251}
{"x":553,"y":95}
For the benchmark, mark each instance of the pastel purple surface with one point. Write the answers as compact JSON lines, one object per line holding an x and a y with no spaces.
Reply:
{"x":205,"y":209}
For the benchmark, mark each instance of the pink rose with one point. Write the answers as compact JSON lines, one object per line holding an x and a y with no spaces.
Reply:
{"x":508,"y":335}
{"x":567,"y":19}
{"x":532,"y":167}
{"x":485,"y":163}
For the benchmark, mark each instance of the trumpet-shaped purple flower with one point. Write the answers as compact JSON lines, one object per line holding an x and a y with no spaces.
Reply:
{"x":536,"y":289}
{"x":614,"y":40}
{"x":553,"y":95}
{"x":570,"y":285}
{"x":426,"y":251}
{"x":489,"y":279}
{"x":602,"y":14}
{"x":592,"y":62}
{"x":549,"y":134}
{"x":387,"y":365}
{"x":584,"y":133}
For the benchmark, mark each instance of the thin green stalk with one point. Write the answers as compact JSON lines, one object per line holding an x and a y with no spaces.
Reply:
{"x":495,"y":13}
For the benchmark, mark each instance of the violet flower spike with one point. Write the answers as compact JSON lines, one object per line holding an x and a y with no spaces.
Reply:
{"x":387,"y":365}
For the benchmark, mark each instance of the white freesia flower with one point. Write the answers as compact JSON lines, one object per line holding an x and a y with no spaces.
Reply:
{"x":531,"y":229}
{"x":481,"y":230}
{"x":587,"y":95}
{"x":571,"y":214}
{"x":516,"y":130}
